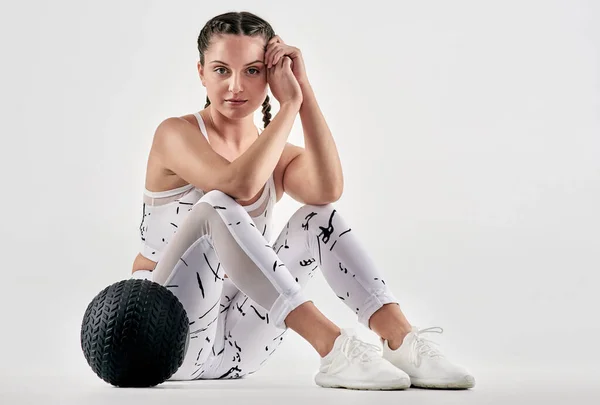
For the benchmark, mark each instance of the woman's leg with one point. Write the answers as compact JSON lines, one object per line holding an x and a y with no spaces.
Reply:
{"x":315,"y":236}
{"x":318,"y":236}
{"x":256,"y":269}
{"x":197,"y":281}
{"x":219,"y":222}
{"x":248,"y":338}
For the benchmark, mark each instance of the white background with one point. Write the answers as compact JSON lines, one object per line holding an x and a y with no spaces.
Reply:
{"x":469,"y":133}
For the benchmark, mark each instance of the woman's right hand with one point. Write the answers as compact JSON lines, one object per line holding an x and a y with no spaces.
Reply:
{"x":283,"y":83}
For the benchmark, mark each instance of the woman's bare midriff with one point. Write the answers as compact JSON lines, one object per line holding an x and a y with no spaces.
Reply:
{"x":159,"y":178}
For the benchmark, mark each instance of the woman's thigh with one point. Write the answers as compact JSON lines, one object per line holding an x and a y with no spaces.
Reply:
{"x":197,"y":282}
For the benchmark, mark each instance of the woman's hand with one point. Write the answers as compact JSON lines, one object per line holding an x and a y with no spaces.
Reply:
{"x":283,"y":84}
{"x":277,"y":49}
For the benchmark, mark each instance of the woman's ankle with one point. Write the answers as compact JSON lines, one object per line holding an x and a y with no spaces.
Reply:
{"x":325,"y":345}
{"x":314,"y":327}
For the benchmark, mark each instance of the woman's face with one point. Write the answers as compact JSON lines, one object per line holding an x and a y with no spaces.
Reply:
{"x":234,"y":69}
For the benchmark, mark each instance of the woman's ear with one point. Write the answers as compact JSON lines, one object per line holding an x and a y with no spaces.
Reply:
{"x":201,"y":73}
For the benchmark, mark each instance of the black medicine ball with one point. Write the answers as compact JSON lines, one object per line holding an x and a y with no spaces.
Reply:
{"x":135,"y":333}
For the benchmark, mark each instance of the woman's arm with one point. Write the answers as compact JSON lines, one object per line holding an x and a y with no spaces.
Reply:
{"x":257,"y":163}
{"x":320,"y":161}
{"x":314,"y":175}
{"x":179,"y":148}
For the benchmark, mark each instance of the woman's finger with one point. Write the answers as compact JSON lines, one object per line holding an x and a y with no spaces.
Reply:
{"x":287,"y":61}
{"x":271,"y":52}
{"x":278,"y":55}
{"x":271,"y":42}
{"x":276,"y":38}
{"x":272,"y":57}
{"x":281,"y":63}
{"x":269,"y":55}
{"x":276,"y":68}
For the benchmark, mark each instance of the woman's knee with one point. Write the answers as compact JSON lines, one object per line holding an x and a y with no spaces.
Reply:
{"x":211,"y":201}
{"x":309,"y":210}
{"x":217,"y":196}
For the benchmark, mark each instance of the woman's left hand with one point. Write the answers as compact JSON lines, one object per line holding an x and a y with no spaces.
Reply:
{"x":277,"y":49}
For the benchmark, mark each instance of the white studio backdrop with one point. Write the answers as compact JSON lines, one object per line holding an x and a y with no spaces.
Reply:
{"x":469,"y":134}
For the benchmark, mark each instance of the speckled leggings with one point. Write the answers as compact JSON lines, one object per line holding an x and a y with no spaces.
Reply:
{"x":236,"y":323}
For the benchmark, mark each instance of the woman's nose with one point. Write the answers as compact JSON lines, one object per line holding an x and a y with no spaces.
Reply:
{"x":235,"y":84}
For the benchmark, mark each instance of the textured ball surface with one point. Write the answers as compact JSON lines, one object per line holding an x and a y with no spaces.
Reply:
{"x":135,"y":333}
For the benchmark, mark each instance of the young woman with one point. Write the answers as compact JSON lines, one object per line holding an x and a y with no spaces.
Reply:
{"x":213,"y":179}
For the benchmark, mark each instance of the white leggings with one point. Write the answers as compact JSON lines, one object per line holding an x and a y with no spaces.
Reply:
{"x":236,"y":323}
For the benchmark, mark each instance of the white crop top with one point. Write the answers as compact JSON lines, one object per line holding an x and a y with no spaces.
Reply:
{"x":164,"y":211}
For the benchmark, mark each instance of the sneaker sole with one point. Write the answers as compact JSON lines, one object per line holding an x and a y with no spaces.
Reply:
{"x":463,"y":383}
{"x":328,"y":381}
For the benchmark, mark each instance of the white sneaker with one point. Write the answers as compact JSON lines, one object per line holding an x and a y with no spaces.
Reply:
{"x":355,"y":364}
{"x":426,"y":365}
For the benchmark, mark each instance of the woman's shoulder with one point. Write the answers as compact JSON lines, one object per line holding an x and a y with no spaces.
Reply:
{"x":176,"y":125}
{"x":191,"y":118}
{"x":175,"y":140}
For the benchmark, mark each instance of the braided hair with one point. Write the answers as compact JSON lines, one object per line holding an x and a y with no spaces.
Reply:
{"x":237,"y":23}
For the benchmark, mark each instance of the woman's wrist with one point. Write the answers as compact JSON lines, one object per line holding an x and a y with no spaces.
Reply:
{"x":292,"y":106}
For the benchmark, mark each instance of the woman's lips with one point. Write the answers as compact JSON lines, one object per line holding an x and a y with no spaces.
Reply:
{"x":232,"y":102}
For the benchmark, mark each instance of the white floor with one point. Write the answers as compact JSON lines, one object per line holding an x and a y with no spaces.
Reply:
{"x":513,"y":387}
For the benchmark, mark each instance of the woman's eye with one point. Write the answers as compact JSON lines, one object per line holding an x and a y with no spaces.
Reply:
{"x":256,"y":71}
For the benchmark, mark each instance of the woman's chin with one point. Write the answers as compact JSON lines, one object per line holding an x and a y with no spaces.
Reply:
{"x":238,"y":110}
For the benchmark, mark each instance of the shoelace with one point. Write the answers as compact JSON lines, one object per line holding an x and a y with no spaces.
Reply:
{"x":354,"y":348}
{"x":422,"y":346}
